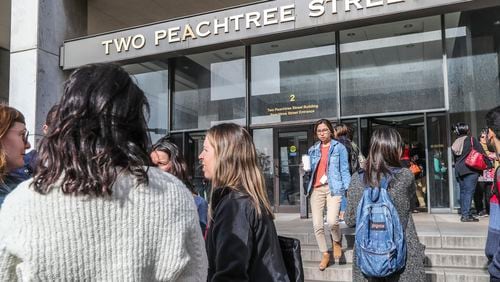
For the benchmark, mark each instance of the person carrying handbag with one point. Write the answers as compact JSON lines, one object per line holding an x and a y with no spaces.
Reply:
{"x":466,"y":175}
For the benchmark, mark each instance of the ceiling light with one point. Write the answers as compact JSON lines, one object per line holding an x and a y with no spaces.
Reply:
{"x":497,"y":23}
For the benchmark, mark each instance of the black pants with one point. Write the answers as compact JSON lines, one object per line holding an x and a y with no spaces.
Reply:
{"x":482,"y":197}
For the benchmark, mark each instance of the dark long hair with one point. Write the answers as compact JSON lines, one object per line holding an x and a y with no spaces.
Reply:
{"x":99,"y":130}
{"x":179,"y":165}
{"x":493,"y":121}
{"x":385,"y":149}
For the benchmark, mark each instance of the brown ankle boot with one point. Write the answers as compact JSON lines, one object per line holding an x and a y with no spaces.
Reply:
{"x":337,"y":250}
{"x":324,"y":261}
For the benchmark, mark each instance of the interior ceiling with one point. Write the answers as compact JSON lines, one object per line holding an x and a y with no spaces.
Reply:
{"x":108,"y":15}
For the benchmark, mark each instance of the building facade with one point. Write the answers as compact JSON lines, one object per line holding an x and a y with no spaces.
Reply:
{"x":278,"y":66}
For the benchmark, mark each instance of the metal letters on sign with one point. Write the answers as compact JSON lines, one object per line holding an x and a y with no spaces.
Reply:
{"x":232,"y":25}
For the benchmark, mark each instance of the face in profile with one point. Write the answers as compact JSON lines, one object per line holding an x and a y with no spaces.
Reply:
{"x":207,"y":159}
{"x":161,"y":160}
{"x":15,"y":144}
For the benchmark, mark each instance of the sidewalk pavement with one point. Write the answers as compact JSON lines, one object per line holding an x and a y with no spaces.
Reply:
{"x":426,"y":225}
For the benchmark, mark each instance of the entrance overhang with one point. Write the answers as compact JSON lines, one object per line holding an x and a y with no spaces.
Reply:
{"x":246,"y":25}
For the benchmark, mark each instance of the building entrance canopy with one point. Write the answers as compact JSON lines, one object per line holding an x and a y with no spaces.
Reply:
{"x":239,"y":24}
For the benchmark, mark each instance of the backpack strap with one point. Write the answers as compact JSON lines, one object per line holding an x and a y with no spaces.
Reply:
{"x":496,"y":179}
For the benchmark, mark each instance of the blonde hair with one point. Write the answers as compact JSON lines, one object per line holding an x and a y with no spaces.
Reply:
{"x":8,"y":116}
{"x":236,"y":165}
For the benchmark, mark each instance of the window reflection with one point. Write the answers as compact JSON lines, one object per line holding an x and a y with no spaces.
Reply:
{"x":388,"y":67}
{"x":209,"y":88}
{"x":152,"y":78}
{"x":293,"y":79}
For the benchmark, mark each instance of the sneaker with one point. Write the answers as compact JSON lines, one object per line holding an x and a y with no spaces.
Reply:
{"x":482,"y":214}
{"x":469,"y":219}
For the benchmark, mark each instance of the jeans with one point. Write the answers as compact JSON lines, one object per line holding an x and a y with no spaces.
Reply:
{"x":343,"y":204}
{"x":467,"y":186}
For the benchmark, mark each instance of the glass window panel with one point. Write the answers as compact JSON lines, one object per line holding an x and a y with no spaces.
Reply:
{"x":209,"y":88}
{"x":473,"y":50}
{"x":392,"y":67}
{"x":438,"y":164}
{"x":294,"y":79}
{"x":263,"y":139}
{"x":152,"y":78}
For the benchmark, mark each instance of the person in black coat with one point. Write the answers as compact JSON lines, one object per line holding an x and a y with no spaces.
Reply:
{"x":466,"y":176}
{"x":242,"y":243}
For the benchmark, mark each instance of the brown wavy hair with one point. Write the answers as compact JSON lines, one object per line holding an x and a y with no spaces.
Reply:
{"x":236,"y":165}
{"x":8,"y":116}
{"x":98,"y":130}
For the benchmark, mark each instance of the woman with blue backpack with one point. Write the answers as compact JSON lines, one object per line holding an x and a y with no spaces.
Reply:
{"x":379,"y":204}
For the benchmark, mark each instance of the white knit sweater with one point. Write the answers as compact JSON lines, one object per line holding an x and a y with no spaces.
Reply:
{"x":145,"y":233}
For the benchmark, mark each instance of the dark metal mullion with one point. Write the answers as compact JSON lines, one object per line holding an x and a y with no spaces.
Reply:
{"x":170,"y":96}
{"x":337,"y":63}
{"x":248,"y":81}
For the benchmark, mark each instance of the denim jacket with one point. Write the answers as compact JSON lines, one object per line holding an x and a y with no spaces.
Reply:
{"x":337,"y":167}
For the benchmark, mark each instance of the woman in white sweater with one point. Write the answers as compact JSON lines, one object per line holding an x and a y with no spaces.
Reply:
{"x":95,"y":211}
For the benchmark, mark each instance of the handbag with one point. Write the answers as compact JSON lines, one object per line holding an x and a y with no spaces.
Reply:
{"x":290,"y":249}
{"x":415,"y":168}
{"x":475,"y":159}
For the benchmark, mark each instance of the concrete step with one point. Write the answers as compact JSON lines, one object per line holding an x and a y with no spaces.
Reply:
{"x":474,"y":259}
{"x":438,"y":274}
{"x":433,"y":274}
{"x":334,"y":272}
{"x":455,"y":241}
{"x":312,"y":253}
{"x":433,"y":241}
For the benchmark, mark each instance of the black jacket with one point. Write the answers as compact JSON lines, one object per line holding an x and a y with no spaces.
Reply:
{"x":242,"y":246}
{"x":460,"y":167}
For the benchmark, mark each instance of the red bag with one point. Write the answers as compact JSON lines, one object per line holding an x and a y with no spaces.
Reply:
{"x":415,"y":169}
{"x":475,"y":159}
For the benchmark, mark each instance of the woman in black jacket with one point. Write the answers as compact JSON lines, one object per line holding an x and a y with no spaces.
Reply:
{"x":466,"y":176}
{"x":242,"y":243}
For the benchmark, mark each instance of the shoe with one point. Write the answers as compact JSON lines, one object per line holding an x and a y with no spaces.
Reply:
{"x":324,"y":261}
{"x":469,"y":219}
{"x":482,"y":214}
{"x":337,"y":250}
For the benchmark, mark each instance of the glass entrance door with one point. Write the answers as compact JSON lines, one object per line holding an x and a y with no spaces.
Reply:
{"x":291,"y":145}
{"x":280,"y":151}
{"x":437,"y":148}
{"x":412,"y":130}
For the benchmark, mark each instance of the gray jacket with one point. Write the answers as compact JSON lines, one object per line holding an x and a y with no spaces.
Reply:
{"x":401,"y":189}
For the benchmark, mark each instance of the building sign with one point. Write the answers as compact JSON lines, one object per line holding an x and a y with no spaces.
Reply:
{"x":232,"y":25}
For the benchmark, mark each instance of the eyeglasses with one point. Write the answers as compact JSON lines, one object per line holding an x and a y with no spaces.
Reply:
{"x":482,"y":136}
{"x":325,"y":130}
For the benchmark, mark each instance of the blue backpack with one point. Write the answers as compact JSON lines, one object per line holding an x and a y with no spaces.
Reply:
{"x":380,"y":244}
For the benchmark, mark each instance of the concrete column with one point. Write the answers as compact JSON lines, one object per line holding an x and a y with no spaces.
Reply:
{"x":38,"y":29}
